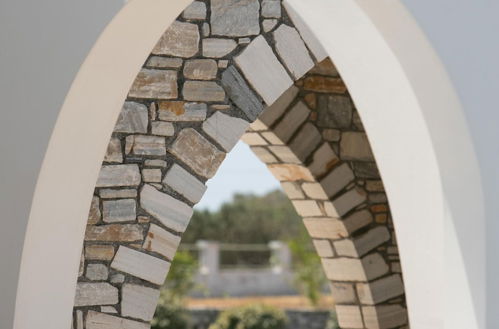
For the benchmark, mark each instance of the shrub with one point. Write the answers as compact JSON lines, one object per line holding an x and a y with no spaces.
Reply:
{"x":251,"y":317}
{"x":170,"y":316}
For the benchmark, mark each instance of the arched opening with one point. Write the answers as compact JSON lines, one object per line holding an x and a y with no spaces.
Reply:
{"x":207,"y":83}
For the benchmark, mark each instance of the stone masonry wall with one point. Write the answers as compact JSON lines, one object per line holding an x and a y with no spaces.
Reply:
{"x":214,"y":71}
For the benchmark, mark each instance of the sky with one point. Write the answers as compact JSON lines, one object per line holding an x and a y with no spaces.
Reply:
{"x":241,"y":171}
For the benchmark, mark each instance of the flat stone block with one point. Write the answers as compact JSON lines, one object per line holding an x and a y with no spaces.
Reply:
{"x":292,"y":190}
{"x":161,"y":241}
{"x":375,"y":266}
{"x":334,"y":111}
{"x":291,"y":121}
{"x":197,"y":153}
{"x":322,"y":84}
{"x":323,"y":248}
{"x":140,"y":265}
{"x":273,"y":112}
{"x":217,"y":48}
{"x":349,"y":316}
{"x":114,"y":233}
{"x":138,"y":302}
{"x":181,"y":181}
{"x":348,"y":200}
{"x":323,"y":160}
{"x":290,"y":172}
{"x":343,"y":293}
{"x":344,"y":269}
{"x":337,"y":180}
{"x":171,"y":212}
{"x":114,"y":153}
{"x":384,"y":316}
{"x":225,"y":130}
{"x":264,"y":155}
{"x":119,"y":175}
{"x":133,"y":118}
{"x":263,"y":70}
{"x":117,"y":194}
{"x":271,"y":8}
{"x":100,"y":293}
{"x":380,"y":290}
{"x":200,"y":69}
{"x":358,"y":220}
{"x":372,"y":239}
{"x":325,"y":228}
{"x":151,"y":175}
{"x":145,"y":145}
{"x":155,"y":84}
{"x":96,"y":272}
{"x":355,"y":146}
{"x":253,"y":139}
{"x":94,"y":215}
{"x":315,"y":191}
{"x":292,"y":49}
{"x":306,"y":141}
{"x":195,"y":11}
{"x":164,"y":62}
{"x":285,"y":154}
{"x":307,"y":208}
{"x":203,"y":91}
{"x":174,"y":111}
{"x":96,"y":320}
{"x":99,"y":252}
{"x":180,"y":40}
{"x":119,"y":210}
{"x":235,"y":18}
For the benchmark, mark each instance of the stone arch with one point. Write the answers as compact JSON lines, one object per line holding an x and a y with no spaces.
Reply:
{"x":198,"y":92}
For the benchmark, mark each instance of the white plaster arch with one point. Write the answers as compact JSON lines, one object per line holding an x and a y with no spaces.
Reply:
{"x":418,"y":199}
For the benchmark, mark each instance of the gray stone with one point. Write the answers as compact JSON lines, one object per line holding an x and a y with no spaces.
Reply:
{"x":180,"y":111}
{"x":306,"y":141}
{"x":206,"y":29}
{"x":314,"y":191}
{"x":308,"y":36}
{"x":292,"y":51}
{"x":184,"y":183}
{"x":161,"y":241}
{"x":117,"y":194}
{"x":263,"y":70}
{"x":164,"y":62}
{"x":138,"y":302}
{"x":119,"y":210}
{"x":216,"y":48}
{"x":114,"y":153}
{"x":240,"y":93}
{"x":275,"y":111}
{"x":380,"y":290}
{"x":108,"y":309}
{"x":334,"y":111}
{"x":151,"y":175}
{"x":384,"y":316}
{"x":271,"y":8}
{"x":96,"y":272}
{"x":133,"y":118}
{"x":355,"y":146}
{"x":201,"y":69}
{"x":180,"y":40}
{"x":253,"y":139}
{"x":94,"y":215}
{"x":140,"y":265}
{"x":195,"y":11}
{"x":119,"y":175}
{"x":101,"y":293}
{"x":244,"y":41}
{"x":145,"y":145}
{"x":155,"y":163}
{"x":269,"y":24}
{"x":291,"y":122}
{"x":155,"y":84}
{"x":235,"y":18}
{"x":118,"y":278}
{"x":79,"y":320}
{"x":264,"y":155}
{"x":162,"y":128}
{"x":96,"y":320}
{"x":223,"y":64}
{"x":323,"y":160}
{"x":348,"y":200}
{"x":337,"y":180}
{"x":114,"y":233}
{"x":370,"y":240}
{"x":225,"y":130}
{"x":343,"y":293}
{"x":171,"y":212}
{"x":205,"y":91}
{"x":197,"y":153}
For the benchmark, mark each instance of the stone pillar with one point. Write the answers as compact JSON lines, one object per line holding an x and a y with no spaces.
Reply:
{"x":209,"y":256}
{"x":281,"y":256}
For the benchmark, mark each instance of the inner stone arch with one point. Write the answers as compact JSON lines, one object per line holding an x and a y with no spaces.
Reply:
{"x":226,"y":69}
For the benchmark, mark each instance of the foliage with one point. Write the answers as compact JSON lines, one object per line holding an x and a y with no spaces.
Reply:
{"x":251,"y":317}
{"x":309,"y":277}
{"x":170,"y":316}
{"x":180,"y":280}
{"x":332,"y":322}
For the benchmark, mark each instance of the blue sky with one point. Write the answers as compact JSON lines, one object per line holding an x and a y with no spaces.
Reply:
{"x":241,"y":171}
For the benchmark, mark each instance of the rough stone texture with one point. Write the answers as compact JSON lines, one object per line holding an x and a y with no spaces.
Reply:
{"x":380,"y":290}
{"x":292,"y":190}
{"x":384,"y":316}
{"x":253,"y":139}
{"x":240,"y":93}
{"x":114,"y":232}
{"x":119,"y":210}
{"x":101,"y":293}
{"x":200,"y":69}
{"x":347,"y":201}
{"x":217,"y":48}
{"x":337,"y":180}
{"x":314,"y":191}
{"x":119,"y":175}
{"x":284,"y":154}
{"x":323,"y":248}
{"x":196,"y":152}
{"x":96,"y":320}
{"x":94,"y":215}
{"x":132,"y":119}
{"x":96,"y":272}
{"x":207,"y":91}
{"x":306,"y":141}
{"x":181,"y":181}
{"x":291,"y":121}
{"x":349,"y":316}
{"x":141,"y":265}
{"x":264,"y":155}
{"x":323,"y":160}
{"x":335,"y":111}
{"x":290,"y":172}
{"x":235,"y":18}
{"x":307,"y":208}
{"x":162,"y":128}
{"x":164,"y":62}
{"x":161,"y":241}
{"x":181,"y":39}
{"x":276,"y":110}
{"x":99,"y":252}
{"x":114,"y":153}
{"x":291,"y":48}
{"x":174,"y":111}
{"x":195,"y":11}
{"x":138,"y":302}
{"x":158,"y":84}
{"x":343,"y":292}
{"x":171,"y":212}
{"x":117,"y":194}
{"x":225,"y":130}
{"x":263,"y":70}
{"x":325,"y":228}
{"x":355,"y":146}
{"x":272,"y":9}
{"x":151,"y":175}
{"x":145,"y":145}
{"x":322,"y":84}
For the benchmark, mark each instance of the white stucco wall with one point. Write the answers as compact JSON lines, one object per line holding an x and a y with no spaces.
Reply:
{"x":424,"y":150}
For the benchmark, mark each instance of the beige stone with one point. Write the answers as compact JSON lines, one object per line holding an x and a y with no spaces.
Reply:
{"x":108,"y":309}
{"x":155,"y":84}
{"x":96,"y":320}
{"x":355,"y":146}
{"x":384,"y":316}
{"x":284,"y":154}
{"x":151,"y":175}
{"x":290,"y":172}
{"x":225,"y":129}
{"x":161,"y":241}
{"x":273,"y":112}
{"x":203,"y":91}
{"x":314,"y":191}
{"x":181,"y":181}
{"x":164,"y":62}
{"x":291,"y":121}
{"x":200,"y":69}
{"x":325,"y":228}
{"x":155,"y":163}
{"x":292,"y":190}
{"x":216,"y":48}
{"x":253,"y":139}
{"x":381,"y":290}
{"x":323,"y":160}
{"x":94,"y":215}
{"x":138,"y":302}
{"x":114,"y":153}
{"x":306,"y":141}
{"x":337,"y":180}
{"x":99,"y":252}
{"x":344,"y":269}
{"x":162,"y":128}
{"x":323,"y":248}
{"x":141,"y":265}
{"x":272,"y":138}
{"x":197,"y":153}
{"x":307,"y":208}
{"x":264,"y":155}
{"x":100,"y":293}
{"x":174,"y":111}
{"x":114,"y":232}
{"x":179,"y":40}
{"x":349,"y":316}
{"x":345,"y":247}
{"x":195,"y":11}
{"x":343,"y":293}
